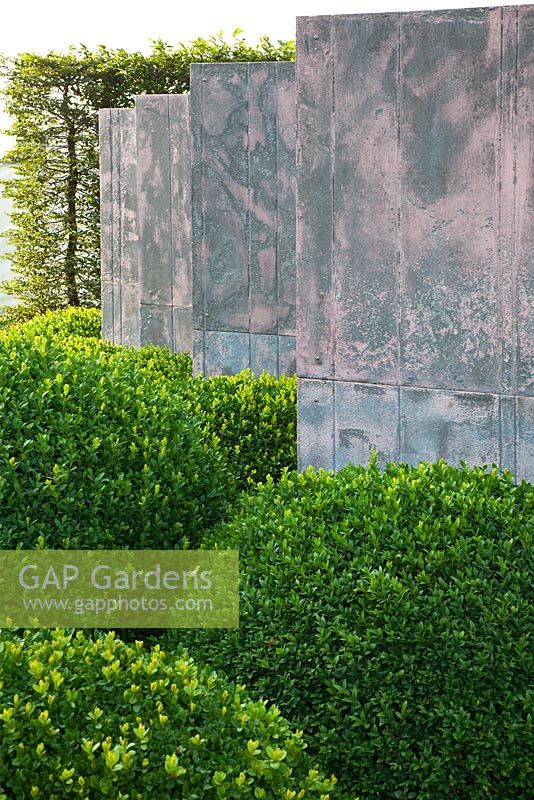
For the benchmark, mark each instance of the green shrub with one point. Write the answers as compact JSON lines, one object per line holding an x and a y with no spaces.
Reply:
{"x":390,"y":616}
{"x":100,"y":719}
{"x":84,"y":322}
{"x":93,"y":452}
{"x":253,"y":419}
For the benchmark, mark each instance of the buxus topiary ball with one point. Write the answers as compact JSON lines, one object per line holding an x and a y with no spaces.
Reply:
{"x":104,"y":720}
{"x":390,"y":615}
{"x":94,"y":452}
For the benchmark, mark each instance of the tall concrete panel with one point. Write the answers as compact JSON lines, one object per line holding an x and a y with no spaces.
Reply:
{"x":243,"y":217}
{"x":415,"y":237}
{"x":164,"y":188}
{"x":145,"y":179}
{"x":119,"y":228}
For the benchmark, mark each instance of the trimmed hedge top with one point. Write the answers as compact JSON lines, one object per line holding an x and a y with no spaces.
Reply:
{"x":95,"y":453}
{"x":390,"y":615}
{"x":251,"y":422}
{"x":100,"y":719}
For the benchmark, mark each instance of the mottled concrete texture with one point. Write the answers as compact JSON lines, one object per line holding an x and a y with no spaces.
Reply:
{"x":145,"y":178}
{"x":119,"y":229}
{"x":243,"y":217}
{"x":415,"y":237}
{"x":164,"y":198}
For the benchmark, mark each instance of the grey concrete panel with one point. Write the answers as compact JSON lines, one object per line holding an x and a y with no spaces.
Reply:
{"x":220,"y":193}
{"x":506,"y":174}
{"x":286,"y":190}
{"x":315,"y":335}
{"x":451,"y":425}
{"x":262,"y":190}
{"x":127,"y":176}
{"x":115,"y":115}
{"x":415,"y":234}
{"x":154,"y":202}
{"x":226,"y":353}
{"x":106,"y":208}
{"x":130,"y":331}
{"x":525,"y":438}
{"x":156,"y":325}
{"x":243,"y":209}
{"x":180,"y":164}
{"x":182,"y":330}
{"x":449,"y":211}
{"x":108,"y":331}
{"x":119,"y":238}
{"x":287,"y":355}
{"x":198,"y":352}
{"x":365,"y":178}
{"x":366,"y":420}
{"x":116,"y":289}
{"x":508,"y":433}
{"x":315,"y":424}
{"x":525,"y":202}
{"x":263,"y":353}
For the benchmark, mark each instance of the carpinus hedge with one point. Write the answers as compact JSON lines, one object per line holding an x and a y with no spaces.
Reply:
{"x":102,"y":719}
{"x":390,"y":615}
{"x":93,"y":452}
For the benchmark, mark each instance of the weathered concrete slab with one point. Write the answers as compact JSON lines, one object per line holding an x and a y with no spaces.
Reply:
{"x":455,"y":426}
{"x":164,"y":189}
{"x":287,"y":356}
{"x":226,"y":352}
{"x":525,"y":437}
{"x":415,"y":234}
{"x":243,"y":213}
{"x":366,"y":419}
{"x":264,"y":353}
{"x":119,"y":230}
{"x":524,"y":171}
{"x":156,"y":322}
{"x":153,"y":186}
{"x":146,"y":223}
{"x":316,"y":423}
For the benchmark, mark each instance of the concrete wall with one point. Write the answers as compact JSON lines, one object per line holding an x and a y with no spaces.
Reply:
{"x":240,"y":243}
{"x":119,"y":227}
{"x":145,"y":180}
{"x":243,"y":217}
{"x":164,"y":202}
{"x":415,"y":237}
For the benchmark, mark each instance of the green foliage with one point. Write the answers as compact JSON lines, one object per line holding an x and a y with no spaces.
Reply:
{"x":54,"y":102}
{"x":105,"y":720}
{"x":95,"y":452}
{"x":390,"y":615}
{"x":251,"y":421}
{"x":254,"y":421}
{"x":82,"y":322}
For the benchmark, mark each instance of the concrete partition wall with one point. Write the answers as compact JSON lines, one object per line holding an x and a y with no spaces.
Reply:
{"x":415,"y":237}
{"x":164,"y":207}
{"x":119,"y":227}
{"x":243,"y":217}
{"x":145,"y":179}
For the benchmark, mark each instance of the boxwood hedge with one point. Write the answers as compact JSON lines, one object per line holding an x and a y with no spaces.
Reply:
{"x":94,"y":452}
{"x":251,"y":421}
{"x":83,"y":322}
{"x":254,"y":421}
{"x":390,"y":615}
{"x":101,"y":719}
